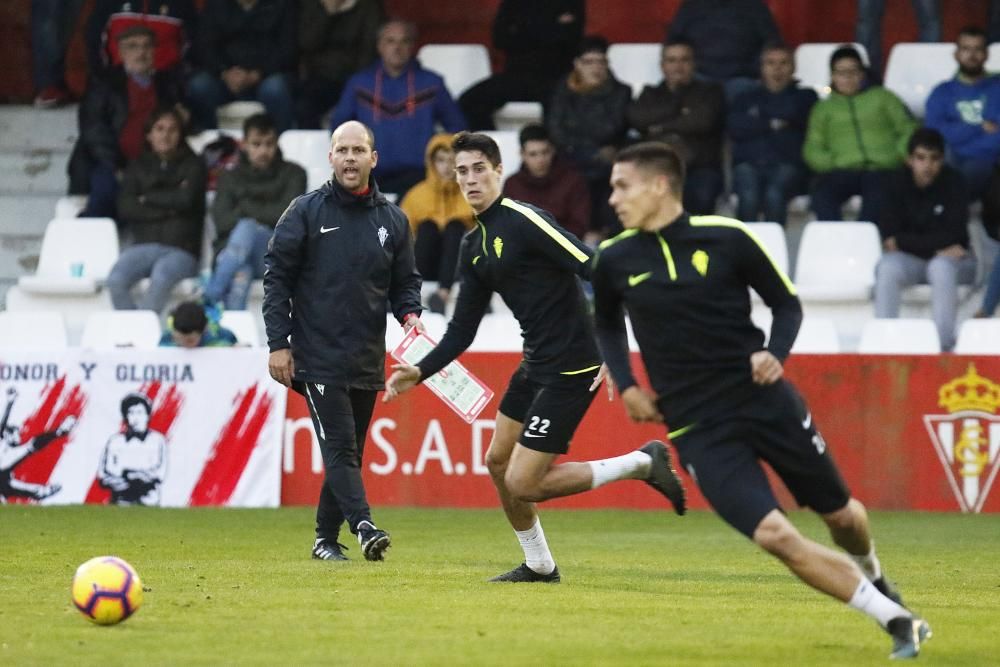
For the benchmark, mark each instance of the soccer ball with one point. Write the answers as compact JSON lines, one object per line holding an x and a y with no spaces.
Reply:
{"x":106,"y":590}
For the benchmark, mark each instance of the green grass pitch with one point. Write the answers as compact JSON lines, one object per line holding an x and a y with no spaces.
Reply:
{"x":237,"y":587}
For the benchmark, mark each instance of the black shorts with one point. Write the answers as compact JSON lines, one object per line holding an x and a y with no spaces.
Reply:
{"x":776,"y":426}
{"x":550,"y":410}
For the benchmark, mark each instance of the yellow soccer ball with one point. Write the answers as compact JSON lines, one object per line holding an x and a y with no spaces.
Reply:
{"x":106,"y":590}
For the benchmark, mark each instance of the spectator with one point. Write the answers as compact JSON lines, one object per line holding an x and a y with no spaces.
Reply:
{"x":854,"y":137}
{"x":188,"y":326}
{"x":539,"y":39}
{"x":966,"y":110}
{"x":52,"y":23}
{"x":162,"y":205}
{"x":689,"y":115}
{"x":402,"y":103}
{"x":249,"y":199}
{"x":767,"y":126}
{"x":551,"y":182}
{"x":112,"y":118}
{"x":868,"y":32}
{"x":246,"y":49}
{"x":727,"y":37}
{"x":588,"y":120}
{"x":924,"y":231}
{"x":336,"y":39}
{"x":991,"y":222}
{"x":173,"y":23}
{"x":439,"y":217}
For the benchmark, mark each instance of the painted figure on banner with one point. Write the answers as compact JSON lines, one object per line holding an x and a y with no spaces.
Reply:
{"x":134,"y":463}
{"x":13,"y":452}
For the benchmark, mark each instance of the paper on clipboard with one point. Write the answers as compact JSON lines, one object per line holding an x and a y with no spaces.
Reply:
{"x":461,"y":391}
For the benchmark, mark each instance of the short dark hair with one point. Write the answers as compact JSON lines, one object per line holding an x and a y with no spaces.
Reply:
{"x":972,"y":31}
{"x":477,"y":141}
{"x":657,"y":157}
{"x":159,"y":113}
{"x":262,"y":123}
{"x":135,"y":398}
{"x":188,"y":317}
{"x":591,"y":44}
{"x":846,"y":51}
{"x":533,"y":132}
{"x":925,"y":137}
{"x":678,"y":41}
{"x":776,"y":46}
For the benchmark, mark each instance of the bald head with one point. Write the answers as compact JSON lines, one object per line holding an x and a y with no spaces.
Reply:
{"x":352,"y":155}
{"x":354,"y":126}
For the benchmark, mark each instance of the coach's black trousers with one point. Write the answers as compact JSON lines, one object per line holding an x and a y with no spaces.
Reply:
{"x":340,"y":417}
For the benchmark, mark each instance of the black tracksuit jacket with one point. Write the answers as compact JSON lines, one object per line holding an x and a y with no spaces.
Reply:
{"x":520,"y":252}
{"x":334,"y":260}
{"x":685,"y":290}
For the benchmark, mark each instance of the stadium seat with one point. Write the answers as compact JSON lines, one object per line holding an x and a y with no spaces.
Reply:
{"x":812,"y":64}
{"x":978,"y":336}
{"x":232,"y":115}
{"x":510,"y":150}
{"x":77,"y":255}
{"x":817,"y":335}
{"x":914,"y":68}
{"x":638,"y":65}
{"x":835,"y":273}
{"x":69,"y":206}
{"x":308,"y":148}
{"x":122,"y":328}
{"x":243,"y":324}
{"x":772,"y":235}
{"x":75,"y":308}
{"x":899,"y":336}
{"x":515,"y":115}
{"x":33,"y":330}
{"x":197,"y":142}
{"x":498,"y":333}
{"x":317,"y":176}
{"x":461,"y":65}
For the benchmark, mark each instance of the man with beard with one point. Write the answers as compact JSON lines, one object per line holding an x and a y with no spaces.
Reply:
{"x":966,"y":110}
{"x":135,"y":461}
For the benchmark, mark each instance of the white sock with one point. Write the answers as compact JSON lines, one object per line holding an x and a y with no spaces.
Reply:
{"x":869,"y":563}
{"x":536,"y":549}
{"x":868,"y":600}
{"x":634,"y":465}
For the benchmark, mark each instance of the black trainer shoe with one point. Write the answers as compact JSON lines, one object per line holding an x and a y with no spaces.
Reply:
{"x":373,"y":541}
{"x":907,"y":632}
{"x":324,"y":549}
{"x":522,"y":574}
{"x":888,"y":589}
{"x":662,"y":475}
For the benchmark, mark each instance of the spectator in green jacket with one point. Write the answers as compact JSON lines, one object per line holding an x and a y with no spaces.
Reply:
{"x":854,"y":137}
{"x":248,"y":202}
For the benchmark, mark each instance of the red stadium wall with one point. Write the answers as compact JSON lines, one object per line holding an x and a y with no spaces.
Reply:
{"x":453,"y":21}
{"x":908,"y":433}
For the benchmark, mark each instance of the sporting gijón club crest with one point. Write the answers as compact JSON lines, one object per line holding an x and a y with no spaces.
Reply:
{"x":967,"y":439}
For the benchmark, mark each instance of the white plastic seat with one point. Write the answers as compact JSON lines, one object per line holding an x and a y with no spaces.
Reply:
{"x":510,"y":150}
{"x":899,"y":336}
{"x":498,"y":333}
{"x":121,"y":328}
{"x":812,"y":64}
{"x":914,"y":68}
{"x":638,"y":65}
{"x":75,"y":308}
{"x":231,"y":116}
{"x":515,"y":115}
{"x":77,"y":255}
{"x":978,"y":336}
{"x":317,"y":176}
{"x":308,"y":148}
{"x":772,"y":235}
{"x":817,"y":335}
{"x":243,"y":324}
{"x":460,"y":65}
{"x":69,"y":206}
{"x":33,"y":330}
{"x":836,"y":260}
{"x":197,"y":142}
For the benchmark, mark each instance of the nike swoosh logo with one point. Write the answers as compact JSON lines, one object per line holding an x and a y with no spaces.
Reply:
{"x":533,"y":435}
{"x":807,"y":421}
{"x":324,"y":230}
{"x":635,"y":280}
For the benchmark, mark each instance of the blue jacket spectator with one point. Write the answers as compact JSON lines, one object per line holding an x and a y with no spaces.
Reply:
{"x":401,"y":102}
{"x":189,"y":326}
{"x":767,"y":126}
{"x":966,"y":110}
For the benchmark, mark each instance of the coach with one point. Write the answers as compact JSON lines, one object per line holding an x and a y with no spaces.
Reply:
{"x":338,"y":254}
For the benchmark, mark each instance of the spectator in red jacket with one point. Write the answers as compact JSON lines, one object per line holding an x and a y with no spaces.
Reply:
{"x":172,"y":22}
{"x":550,"y":182}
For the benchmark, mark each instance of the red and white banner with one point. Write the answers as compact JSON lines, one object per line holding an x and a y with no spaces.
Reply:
{"x":911,"y":433}
{"x":148,"y":427}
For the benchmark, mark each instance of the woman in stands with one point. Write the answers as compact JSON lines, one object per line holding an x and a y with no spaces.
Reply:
{"x":161,"y":209}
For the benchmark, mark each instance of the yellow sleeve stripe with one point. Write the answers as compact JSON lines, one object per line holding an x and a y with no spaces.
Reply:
{"x":544,"y":225}
{"x":619,"y":237}
{"x":720,"y":221}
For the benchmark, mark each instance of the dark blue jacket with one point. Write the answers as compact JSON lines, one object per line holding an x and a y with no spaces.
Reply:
{"x":770,"y":128}
{"x":402,"y":111}
{"x":333,"y":263}
{"x":957,"y":110}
